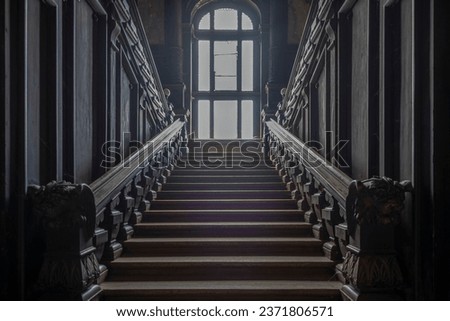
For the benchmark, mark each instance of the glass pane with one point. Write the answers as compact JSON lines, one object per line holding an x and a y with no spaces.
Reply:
{"x":246,"y":22}
{"x":225,"y":119}
{"x":247,"y":119}
{"x":203,"y":119}
{"x":205,"y":22}
{"x":247,"y":65}
{"x":203,"y":65}
{"x":225,"y":19}
{"x":225,"y":65}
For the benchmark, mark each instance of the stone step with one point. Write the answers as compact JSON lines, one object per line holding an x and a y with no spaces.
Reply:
{"x":264,"y":215}
{"x":220,"y":194}
{"x":223,"y":246}
{"x":225,"y":186}
{"x":223,"y":290}
{"x":225,"y":204}
{"x":229,"y":163}
{"x":223,"y":178}
{"x":225,"y":172}
{"x":202,"y":155}
{"x":220,"y":268}
{"x":223,"y":229}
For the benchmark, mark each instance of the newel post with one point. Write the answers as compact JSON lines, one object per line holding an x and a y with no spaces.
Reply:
{"x":67,"y":216}
{"x":370,"y":267}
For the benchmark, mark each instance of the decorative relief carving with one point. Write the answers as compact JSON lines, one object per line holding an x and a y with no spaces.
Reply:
{"x":63,"y":205}
{"x":67,"y":214}
{"x":146,"y":72}
{"x":71,"y":276}
{"x":377,"y":200}
{"x":373,"y":208}
{"x":374,"y":271}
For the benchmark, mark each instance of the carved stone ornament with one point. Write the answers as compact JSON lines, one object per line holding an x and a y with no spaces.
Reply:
{"x":373,"y":208}
{"x":378,"y":200}
{"x":63,"y":205}
{"x":67,"y":215}
{"x":372,"y":271}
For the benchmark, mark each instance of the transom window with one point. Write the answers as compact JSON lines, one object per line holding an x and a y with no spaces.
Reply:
{"x":226,"y":74}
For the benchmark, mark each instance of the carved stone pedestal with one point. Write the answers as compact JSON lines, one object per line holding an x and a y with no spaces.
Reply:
{"x":370,"y":267}
{"x":68,"y":220}
{"x":371,"y":276}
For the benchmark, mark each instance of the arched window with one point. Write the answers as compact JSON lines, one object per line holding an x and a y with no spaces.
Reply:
{"x":226,"y":72}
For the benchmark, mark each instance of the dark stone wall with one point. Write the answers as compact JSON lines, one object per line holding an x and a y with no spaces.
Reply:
{"x":84,"y":64}
{"x":359,"y":91}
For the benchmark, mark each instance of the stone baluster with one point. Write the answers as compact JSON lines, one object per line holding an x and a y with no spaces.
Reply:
{"x":302,"y":180}
{"x":273,"y":150}
{"x":137,"y":192}
{"x":112,"y":222}
{"x":282,"y":163}
{"x":126,"y":206}
{"x":331,"y":217}
{"x":370,"y":267}
{"x":319,"y":202}
{"x":310,"y":190}
{"x":67,"y":217}
{"x":146,"y":183}
{"x":343,"y":240}
{"x":99,"y":240}
{"x":157,"y":172}
{"x":293,"y":170}
{"x":167,"y":155}
{"x":279,"y":166}
{"x":163,"y":162}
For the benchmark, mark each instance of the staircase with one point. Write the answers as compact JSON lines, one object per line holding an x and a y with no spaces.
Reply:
{"x":223,"y":228}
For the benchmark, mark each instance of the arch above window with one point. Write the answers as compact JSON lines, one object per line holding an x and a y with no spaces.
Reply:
{"x":221,"y":15}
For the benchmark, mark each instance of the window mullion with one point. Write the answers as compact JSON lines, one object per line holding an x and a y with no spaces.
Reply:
{"x":212,"y":78}
{"x":239,"y":120}
{"x":239,"y":66}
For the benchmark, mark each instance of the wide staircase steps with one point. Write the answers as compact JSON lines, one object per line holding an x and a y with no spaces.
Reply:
{"x":231,"y":232}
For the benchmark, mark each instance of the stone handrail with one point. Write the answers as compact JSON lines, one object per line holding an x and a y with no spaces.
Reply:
{"x":85,"y":225}
{"x":354,"y":219}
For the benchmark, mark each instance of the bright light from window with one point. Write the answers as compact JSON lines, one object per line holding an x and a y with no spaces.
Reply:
{"x":205,"y":22}
{"x":247,"y":119}
{"x":203,"y":65}
{"x":203,"y":119}
{"x":226,"y":75}
{"x":247,"y":65}
{"x":225,"y":19}
{"x":225,"y":119}
{"x":246,"y":22}
{"x":225,"y":65}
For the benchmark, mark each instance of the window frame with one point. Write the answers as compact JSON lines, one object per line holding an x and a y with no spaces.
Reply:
{"x":239,"y":36}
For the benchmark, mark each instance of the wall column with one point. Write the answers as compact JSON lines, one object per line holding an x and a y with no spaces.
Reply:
{"x":174,"y":54}
{"x":277,"y":45}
